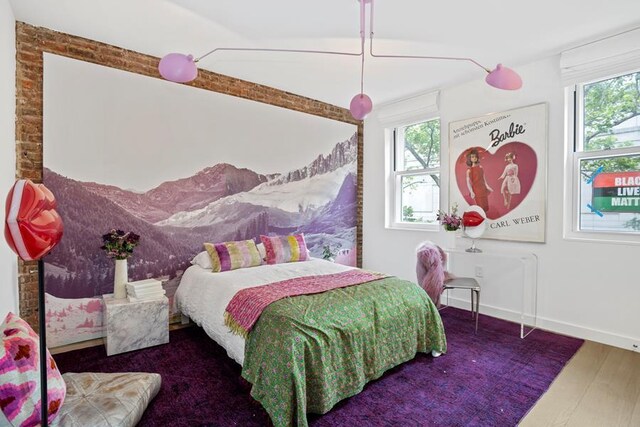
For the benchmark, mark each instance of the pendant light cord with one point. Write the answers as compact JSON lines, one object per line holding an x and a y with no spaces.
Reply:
{"x":449,"y":58}
{"x":361,"y":53}
{"x":362,"y":37}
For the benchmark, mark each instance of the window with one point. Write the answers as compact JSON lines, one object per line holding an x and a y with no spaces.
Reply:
{"x":606,"y":158}
{"x":416,"y":173}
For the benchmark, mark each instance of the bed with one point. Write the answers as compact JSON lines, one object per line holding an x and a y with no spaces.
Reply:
{"x":308,"y":352}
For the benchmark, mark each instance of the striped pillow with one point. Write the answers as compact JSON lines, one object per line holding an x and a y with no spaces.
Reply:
{"x":285,"y":248}
{"x":231,"y":255}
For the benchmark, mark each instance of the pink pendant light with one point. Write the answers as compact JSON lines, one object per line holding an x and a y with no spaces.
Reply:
{"x":178,"y":68}
{"x":504,"y":78}
{"x":181,"y":68}
{"x":360,"y":106}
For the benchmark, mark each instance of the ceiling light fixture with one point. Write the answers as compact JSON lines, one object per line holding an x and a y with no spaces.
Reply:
{"x":181,"y":68}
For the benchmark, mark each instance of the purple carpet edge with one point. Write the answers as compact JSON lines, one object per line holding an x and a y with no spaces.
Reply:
{"x":493,"y":378}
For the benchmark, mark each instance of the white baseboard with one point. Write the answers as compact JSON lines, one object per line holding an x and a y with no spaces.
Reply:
{"x":552,"y":325}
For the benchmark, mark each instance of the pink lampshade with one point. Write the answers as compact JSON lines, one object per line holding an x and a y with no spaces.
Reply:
{"x":360,"y":106}
{"x":504,"y":78}
{"x":178,"y":68}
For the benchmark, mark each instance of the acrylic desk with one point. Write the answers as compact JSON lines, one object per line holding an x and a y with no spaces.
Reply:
{"x":512,"y":277}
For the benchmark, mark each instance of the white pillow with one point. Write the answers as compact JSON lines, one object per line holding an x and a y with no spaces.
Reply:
{"x":262,"y":251}
{"x":203,"y":260}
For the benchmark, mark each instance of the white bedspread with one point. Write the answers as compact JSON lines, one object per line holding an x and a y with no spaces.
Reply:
{"x":203,"y":295}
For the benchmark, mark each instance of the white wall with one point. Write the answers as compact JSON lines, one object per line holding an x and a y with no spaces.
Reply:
{"x":8,"y":266}
{"x":588,"y":290}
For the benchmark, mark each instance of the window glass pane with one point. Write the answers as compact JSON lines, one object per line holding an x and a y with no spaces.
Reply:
{"x":420,"y":146}
{"x":611,"y":117}
{"x":420,"y":198}
{"x":610,"y":194}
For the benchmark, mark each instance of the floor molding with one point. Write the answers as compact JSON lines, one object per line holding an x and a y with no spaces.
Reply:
{"x":553,"y":325}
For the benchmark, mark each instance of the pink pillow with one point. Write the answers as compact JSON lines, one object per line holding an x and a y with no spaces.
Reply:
{"x":282,"y":249}
{"x":20,"y":375}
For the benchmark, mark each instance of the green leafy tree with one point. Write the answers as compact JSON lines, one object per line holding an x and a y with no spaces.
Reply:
{"x":633,"y":223}
{"x":421,"y":151}
{"x":422,"y":144}
{"x":607,"y":104}
{"x":407,"y":214}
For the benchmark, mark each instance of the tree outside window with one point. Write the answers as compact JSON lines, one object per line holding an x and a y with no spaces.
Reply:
{"x":417,"y":172}
{"x":607,"y":154}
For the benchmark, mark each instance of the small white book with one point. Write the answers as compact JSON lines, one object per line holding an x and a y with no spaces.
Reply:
{"x":144,"y":284}
{"x":149,"y":293}
{"x":134,"y":299}
{"x":145,"y":289}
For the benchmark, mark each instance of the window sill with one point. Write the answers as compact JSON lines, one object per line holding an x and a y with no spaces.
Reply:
{"x":606,"y":238}
{"x":414,"y":227}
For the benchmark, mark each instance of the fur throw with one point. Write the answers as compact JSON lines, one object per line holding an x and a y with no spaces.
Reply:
{"x":430,"y":270}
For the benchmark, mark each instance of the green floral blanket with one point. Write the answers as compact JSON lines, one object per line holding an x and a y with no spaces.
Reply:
{"x":308,"y":352}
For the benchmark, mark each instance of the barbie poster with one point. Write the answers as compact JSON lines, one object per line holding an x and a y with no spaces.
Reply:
{"x":498,"y":162}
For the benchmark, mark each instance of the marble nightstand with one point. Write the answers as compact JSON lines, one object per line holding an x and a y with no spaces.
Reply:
{"x":135,"y":325}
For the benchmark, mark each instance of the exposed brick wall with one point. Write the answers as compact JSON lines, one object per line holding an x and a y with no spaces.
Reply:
{"x":32,"y":42}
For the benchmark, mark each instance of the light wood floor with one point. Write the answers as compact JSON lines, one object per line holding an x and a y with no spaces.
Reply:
{"x":599,"y":387}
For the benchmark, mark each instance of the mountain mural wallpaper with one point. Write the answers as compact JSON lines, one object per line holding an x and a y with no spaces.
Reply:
{"x":224,"y":200}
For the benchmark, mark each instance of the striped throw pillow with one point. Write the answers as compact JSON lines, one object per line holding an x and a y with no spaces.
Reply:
{"x":282,"y":249}
{"x":232,"y":255}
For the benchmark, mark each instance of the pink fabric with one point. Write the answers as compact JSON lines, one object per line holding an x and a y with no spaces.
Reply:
{"x":281,"y":249}
{"x":430,"y":270}
{"x":247,"y":305}
{"x":20,"y":375}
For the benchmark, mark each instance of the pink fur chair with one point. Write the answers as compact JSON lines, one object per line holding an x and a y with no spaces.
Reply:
{"x":434,"y":279}
{"x":430,"y":270}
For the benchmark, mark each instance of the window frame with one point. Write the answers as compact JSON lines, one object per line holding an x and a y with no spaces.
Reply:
{"x":393,"y":192}
{"x":574,"y":155}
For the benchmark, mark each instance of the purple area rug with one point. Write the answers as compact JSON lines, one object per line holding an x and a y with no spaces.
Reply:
{"x":489,"y":379}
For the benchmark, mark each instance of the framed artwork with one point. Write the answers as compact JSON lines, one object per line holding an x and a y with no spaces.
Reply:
{"x":499,"y":162}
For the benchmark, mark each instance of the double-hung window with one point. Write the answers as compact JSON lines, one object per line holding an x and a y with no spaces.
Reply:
{"x":415,"y":192}
{"x":605,"y":158}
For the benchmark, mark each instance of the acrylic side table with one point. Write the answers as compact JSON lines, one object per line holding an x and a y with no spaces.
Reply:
{"x":135,"y":325}
{"x":520,"y":267}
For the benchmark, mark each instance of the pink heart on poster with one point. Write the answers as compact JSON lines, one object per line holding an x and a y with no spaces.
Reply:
{"x":493,"y":166}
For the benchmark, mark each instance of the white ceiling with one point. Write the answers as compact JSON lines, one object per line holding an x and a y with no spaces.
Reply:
{"x":491,"y":31}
